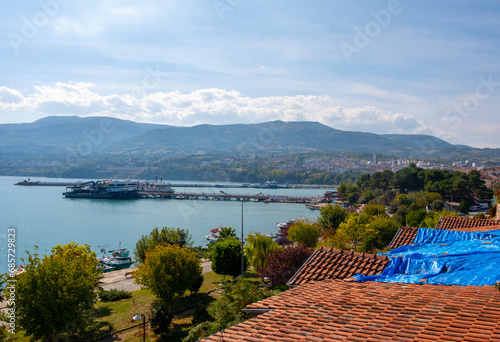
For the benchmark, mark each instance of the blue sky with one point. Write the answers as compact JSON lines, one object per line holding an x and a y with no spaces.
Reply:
{"x":373,"y":66}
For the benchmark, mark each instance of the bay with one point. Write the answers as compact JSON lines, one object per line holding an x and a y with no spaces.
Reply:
{"x":41,"y":216}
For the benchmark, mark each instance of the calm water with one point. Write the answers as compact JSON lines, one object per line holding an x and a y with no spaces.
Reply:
{"x":43,"y":217}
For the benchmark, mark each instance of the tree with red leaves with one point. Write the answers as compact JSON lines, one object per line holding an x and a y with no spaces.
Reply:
{"x":283,"y":264}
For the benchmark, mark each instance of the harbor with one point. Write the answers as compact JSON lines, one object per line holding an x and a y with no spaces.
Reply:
{"x":113,"y":189}
{"x":44,"y":217}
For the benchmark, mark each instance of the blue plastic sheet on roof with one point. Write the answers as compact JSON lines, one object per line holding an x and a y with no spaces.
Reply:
{"x":444,"y":257}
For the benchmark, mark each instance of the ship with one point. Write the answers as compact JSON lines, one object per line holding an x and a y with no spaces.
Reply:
{"x":117,"y":260}
{"x":103,"y":189}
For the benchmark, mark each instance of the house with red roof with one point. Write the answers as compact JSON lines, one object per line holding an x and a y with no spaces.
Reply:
{"x":326,"y":304}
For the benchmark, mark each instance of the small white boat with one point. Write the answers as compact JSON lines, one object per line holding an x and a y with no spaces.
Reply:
{"x":213,"y":236}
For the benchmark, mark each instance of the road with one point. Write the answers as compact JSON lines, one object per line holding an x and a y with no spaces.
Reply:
{"x":122,"y":280}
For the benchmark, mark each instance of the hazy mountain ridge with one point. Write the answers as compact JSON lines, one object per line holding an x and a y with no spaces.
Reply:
{"x":57,"y":135}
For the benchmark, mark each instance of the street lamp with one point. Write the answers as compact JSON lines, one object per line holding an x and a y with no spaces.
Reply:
{"x":242,"y":242}
{"x":138,"y":318}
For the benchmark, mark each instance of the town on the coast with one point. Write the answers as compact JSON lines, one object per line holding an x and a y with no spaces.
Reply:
{"x":249,"y":171}
{"x":408,"y":233}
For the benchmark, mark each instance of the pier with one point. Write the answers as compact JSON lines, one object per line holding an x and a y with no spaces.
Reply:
{"x":222,"y":196}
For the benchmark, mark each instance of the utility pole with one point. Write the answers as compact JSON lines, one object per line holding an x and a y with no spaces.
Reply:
{"x":242,"y":241}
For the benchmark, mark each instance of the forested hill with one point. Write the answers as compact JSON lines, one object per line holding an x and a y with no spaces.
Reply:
{"x":57,"y":136}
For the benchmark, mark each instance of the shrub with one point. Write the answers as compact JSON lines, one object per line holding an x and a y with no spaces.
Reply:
{"x":200,"y":315}
{"x":195,"y":287}
{"x":283,"y":264}
{"x":160,"y":319}
{"x":113,"y":295}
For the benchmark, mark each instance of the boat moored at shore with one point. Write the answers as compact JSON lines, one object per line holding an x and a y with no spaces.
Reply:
{"x":104,"y":190}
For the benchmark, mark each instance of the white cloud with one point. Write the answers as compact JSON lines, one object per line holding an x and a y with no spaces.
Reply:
{"x":10,"y":99}
{"x":213,"y":106}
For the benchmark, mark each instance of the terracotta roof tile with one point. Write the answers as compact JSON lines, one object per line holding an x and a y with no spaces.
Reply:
{"x":330,"y":263}
{"x":467,"y":224}
{"x":406,"y":235}
{"x":335,"y":310}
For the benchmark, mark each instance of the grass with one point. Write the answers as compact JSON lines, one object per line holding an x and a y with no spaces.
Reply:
{"x":118,"y":315}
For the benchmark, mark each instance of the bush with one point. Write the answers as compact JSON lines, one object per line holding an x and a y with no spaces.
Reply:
{"x":113,"y":295}
{"x":200,"y":315}
{"x":195,"y":287}
{"x":463,"y":207}
{"x":226,"y":258}
{"x":283,"y":264}
{"x":304,"y":232}
{"x":160,"y":319}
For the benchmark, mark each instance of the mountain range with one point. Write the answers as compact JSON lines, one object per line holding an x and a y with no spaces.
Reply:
{"x":56,"y":137}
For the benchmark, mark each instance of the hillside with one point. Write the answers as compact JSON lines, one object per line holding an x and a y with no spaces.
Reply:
{"x":55,"y":137}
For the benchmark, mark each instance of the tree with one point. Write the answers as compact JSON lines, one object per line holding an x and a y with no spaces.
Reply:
{"x":416,"y":217}
{"x":374,"y":210}
{"x":282,"y":264}
{"x":56,"y":293}
{"x":331,"y":216}
{"x":171,"y":236}
{"x":382,"y":229}
{"x":226,"y":311}
{"x":169,"y":271}
{"x":463,"y":207}
{"x":227,"y":233}
{"x":258,"y":249}
{"x":226,"y":258}
{"x":351,"y":232}
{"x":305,"y":232}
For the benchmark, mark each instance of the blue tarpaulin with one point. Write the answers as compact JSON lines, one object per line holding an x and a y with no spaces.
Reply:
{"x":447,"y":257}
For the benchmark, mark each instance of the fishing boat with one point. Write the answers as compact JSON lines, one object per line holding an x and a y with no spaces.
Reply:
{"x":103,"y":189}
{"x":118,"y":259}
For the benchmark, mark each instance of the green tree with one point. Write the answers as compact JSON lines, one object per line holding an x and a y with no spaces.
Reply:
{"x":416,"y":217}
{"x":168,"y":271}
{"x":400,"y":216}
{"x":352,"y":232}
{"x":227,"y":233}
{"x":463,"y":207}
{"x":331,"y":216}
{"x":258,"y":249}
{"x":374,"y":210}
{"x":226,"y":258}
{"x":304,"y":232}
{"x":381,"y":231}
{"x":171,"y":236}
{"x":56,"y":293}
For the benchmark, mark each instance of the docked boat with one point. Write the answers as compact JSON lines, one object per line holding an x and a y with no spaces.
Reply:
{"x":117,"y":259}
{"x":213,"y":236}
{"x":103,"y":189}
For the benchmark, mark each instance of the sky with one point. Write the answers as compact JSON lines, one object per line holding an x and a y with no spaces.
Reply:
{"x":385,"y":67}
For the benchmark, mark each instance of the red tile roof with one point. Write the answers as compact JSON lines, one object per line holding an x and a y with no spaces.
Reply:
{"x":406,"y":235}
{"x":466,"y":224}
{"x":334,"y":310}
{"x":330,"y":263}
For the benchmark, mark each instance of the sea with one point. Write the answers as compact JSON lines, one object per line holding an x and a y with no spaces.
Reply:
{"x":41,"y":216}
